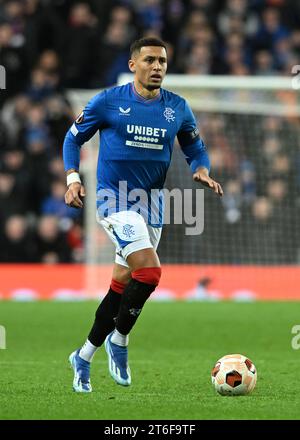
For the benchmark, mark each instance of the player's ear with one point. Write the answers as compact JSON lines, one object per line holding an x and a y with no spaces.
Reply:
{"x":131,"y":65}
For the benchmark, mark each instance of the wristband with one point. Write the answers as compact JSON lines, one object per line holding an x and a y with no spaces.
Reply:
{"x":72,"y":178}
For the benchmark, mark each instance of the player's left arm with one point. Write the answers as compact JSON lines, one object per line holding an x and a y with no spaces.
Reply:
{"x":195,"y":152}
{"x":202,"y":175}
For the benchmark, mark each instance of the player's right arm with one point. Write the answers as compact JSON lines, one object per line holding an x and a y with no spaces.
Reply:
{"x":84,"y":127}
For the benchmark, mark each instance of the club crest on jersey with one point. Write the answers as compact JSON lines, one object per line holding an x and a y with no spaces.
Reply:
{"x":169,"y":114}
{"x":125,"y":112}
{"x":80,"y":118}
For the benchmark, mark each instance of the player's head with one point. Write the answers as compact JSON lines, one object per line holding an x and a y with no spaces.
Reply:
{"x":148,"y":61}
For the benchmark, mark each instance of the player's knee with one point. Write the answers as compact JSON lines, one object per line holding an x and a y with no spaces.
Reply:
{"x":118,"y":286}
{"x":147,"y":275}
{"x":121,"y":274}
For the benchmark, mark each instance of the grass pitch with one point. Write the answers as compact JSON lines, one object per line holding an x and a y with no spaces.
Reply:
{"x":172,"y":350}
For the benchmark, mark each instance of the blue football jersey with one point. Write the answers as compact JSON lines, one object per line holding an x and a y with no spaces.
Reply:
{"x":136,"y":143}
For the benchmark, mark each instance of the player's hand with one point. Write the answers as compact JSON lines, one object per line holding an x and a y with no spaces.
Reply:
{"x":201,"y":175}
{"x":74,"y":195}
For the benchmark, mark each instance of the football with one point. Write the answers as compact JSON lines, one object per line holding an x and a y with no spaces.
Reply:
{"x":234,"y":375}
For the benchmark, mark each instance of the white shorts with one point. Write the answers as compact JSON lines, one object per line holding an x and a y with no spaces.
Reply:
{"x":129,"y":233}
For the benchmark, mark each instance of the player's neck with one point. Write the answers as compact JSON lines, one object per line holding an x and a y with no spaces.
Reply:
{"x":145,"y":93}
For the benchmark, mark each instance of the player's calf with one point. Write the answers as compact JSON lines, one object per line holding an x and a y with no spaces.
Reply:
{"x":106,"y":314}
{"x":142,"y":284}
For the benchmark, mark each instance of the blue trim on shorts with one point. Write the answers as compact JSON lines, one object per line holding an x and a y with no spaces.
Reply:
{"x":121,"y":242}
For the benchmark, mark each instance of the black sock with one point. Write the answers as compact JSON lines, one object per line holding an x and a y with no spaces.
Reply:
{"x":105,"y":318}
{"x":133,"y":298}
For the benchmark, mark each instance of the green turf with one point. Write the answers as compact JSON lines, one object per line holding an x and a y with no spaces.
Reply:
{"x":172,"y":350}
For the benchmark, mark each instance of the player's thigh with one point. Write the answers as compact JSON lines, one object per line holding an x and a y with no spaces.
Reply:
{"x":146,"y":257}
{"x":143,"y":258}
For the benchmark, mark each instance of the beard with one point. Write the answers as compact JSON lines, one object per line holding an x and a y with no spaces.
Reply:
{"x":151,"y":87}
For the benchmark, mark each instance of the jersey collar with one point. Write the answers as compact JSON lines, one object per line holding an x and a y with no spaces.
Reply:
{"x":142,"y":98}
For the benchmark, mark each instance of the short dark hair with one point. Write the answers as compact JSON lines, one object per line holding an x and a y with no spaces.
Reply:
{"x":142,"y":42}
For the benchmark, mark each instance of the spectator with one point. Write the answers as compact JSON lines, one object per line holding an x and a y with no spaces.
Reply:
{"x":12,"y":57}
{"x":16,"y":164}
{"x":232,"y":201}
{"x":270,"y":31}
{"x":199,"y":61}
{"x":234,"y":13}
{"x":17,"y":243}
{"x":81,"y":43}
{"x":12,"y":201}
{"x":264,"y":63}
{"x":55,"y":203}
{"x":150,"y":13}
{"x":52,"y":246}
{"x":113,"y":54}
{"x":14,"y":116}
{"x":42,"y":85}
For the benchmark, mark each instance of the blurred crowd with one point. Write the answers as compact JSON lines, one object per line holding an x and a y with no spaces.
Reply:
{"x":65,"y":43}
{"x":257,"y":159}
{"x":48,"y":46}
